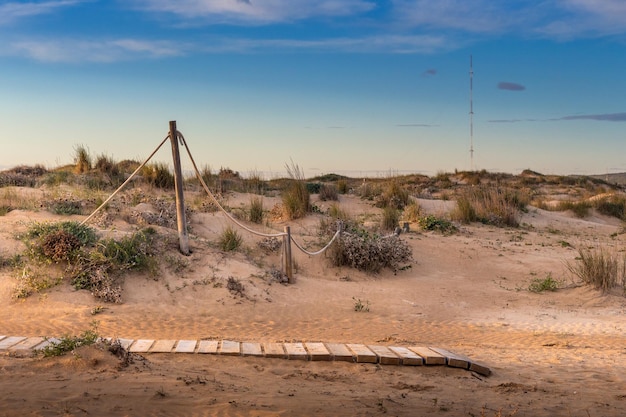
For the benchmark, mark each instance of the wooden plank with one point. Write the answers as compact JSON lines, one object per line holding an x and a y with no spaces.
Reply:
{"x":2,"y":337}
{"x":274,"y":350}
{"x":251,"y":349}
{"x":385,"y":355}
{"x":296,"y":351}
{"x":163,"y":346}
{"x":317,"y":351}
{"x":27,"y":344}
{"x":231,"y":348}
{"x":430,"y":357}
{"x":340,"y":352}
{"x":186,"y":346}
{"x":208,"y":346}
{"x":363,"y":354}
{"x":453,"y":360}
{"x":479,"y":369}
{"x":141,"y":345}
{"x":407,"y":357}
{"x":7,"y":342}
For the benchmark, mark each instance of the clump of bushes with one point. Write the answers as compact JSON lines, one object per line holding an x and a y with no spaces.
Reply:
{"x":256,"y":210}
{"x":328,"y":192}
{"x":580,"y":209}
{"x":393,"y":196}
{"x":539,"y":285}
{"x":158,"y":175}
{"x":434,"y":223}
{"x":370,"y":253}
{"x":614,"y":206}
{"x":87,"y":262}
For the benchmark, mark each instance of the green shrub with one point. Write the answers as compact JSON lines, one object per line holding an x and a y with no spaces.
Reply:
{"x":230,"y":239}
{"x":70,"y":343}
{"x":540,"y":285}
{"x":614,"y":206}
{"x":66,"y":207}
{"x":434,"y":223}
{"x":158,"y":175}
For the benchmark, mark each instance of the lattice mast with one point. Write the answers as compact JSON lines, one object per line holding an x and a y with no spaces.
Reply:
{"x":471,"y":114}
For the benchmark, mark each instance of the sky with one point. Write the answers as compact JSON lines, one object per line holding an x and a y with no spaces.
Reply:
{"x":355,"y":87}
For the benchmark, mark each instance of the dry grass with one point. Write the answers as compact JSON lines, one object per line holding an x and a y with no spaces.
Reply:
{"x":600,"y":268}
{"x":489,"y":204}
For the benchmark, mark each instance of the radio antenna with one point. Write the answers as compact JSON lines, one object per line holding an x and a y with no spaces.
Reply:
{"x":471,"y":115}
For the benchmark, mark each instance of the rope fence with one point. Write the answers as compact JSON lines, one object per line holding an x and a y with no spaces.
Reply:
{"x":286,"y":235}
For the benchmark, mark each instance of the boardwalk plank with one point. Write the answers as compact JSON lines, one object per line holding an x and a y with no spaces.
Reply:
{"x":363,"y":354}
{"x":408,"y":357}
{"x":430,"y":357}
{"x":27,"y":344}
{"x":141,"y":345}
{"x":296,"y":351}
{"x":186,"y":346}
{"x":231,"y":348}
{"x":317,"y":351}
{"x":385,"y":355}
{"x":208,"y":346}
{"x":274,"y":350}
{"x":251,"y":349}
{"x":340,"y":352}
{"x":163,"y":346}
{"x":7,"y":342}
{"x":454,"y":360}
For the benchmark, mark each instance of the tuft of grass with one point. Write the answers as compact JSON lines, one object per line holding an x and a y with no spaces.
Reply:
{"x":391,"y":218}
{"x":256,"y":210}
{"x":539,"y":285}
{"x":229,"y":239}
{"x":579,"y":208}
{"x":296,"y":198}
{"x":360,"y":306}
{"x":600,"y":268}
{"x":490,"y":204}
{"x":158,"y":175}
{"x":412,"y":211}
{"x":82,"y":159}
{"x":328,"y":192}
{"x":614,"y":206}
{"x":393,"y":196}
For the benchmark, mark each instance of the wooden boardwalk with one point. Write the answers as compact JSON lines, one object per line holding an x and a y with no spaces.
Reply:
{"x":306,"y":351}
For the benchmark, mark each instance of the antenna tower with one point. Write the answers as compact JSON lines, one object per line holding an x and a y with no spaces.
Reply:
{"x":471,"y":115}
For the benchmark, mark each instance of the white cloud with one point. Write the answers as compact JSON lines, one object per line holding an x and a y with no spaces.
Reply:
{"x":256,"y":11}
{"x":74,"y":51}
{"x":13,"y":11}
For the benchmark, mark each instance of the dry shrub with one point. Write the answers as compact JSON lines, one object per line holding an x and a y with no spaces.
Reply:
{"x":328,"y":192}
{"x":614,"y":206}
{"x":600,"y":268}
{"x":391,"y":218}
{"x":412,"y":212}
{"x":370,"y":253}
{"x":493,"y":205}
{"x":82,"y":159}
{"x":579,"y":208}
{"x":256,"y":210}
{"x":60,"y":245}
{"x":393,"y":196}
{"x":158,"y":175}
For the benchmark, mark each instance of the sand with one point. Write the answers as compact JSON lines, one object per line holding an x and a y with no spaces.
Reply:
{"x":559,"y":353}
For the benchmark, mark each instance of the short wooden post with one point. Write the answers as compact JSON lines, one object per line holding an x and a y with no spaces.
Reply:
{"x":288,"y":261}
{"x":183,"y":238}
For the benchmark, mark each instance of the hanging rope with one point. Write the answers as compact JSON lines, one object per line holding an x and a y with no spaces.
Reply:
{"x":337,"y":233}
{"x":125,"y":182}
{"x":217,"y":203}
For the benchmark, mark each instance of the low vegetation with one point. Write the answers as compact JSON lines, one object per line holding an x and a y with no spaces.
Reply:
{"x":600,"y":268}
{"x":370,"y":253}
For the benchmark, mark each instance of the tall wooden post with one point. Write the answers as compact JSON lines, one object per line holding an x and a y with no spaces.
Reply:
{"x":183,"y":238}
{"x":288,"y":262}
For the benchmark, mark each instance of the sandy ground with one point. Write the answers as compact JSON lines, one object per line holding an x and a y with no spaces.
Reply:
{"x":557,"y":353}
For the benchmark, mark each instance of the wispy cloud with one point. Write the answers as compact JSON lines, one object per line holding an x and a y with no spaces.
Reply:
{"x":603,"y":117}
{"x":415,"y":125}
{"x":505,"y":85}
{"x":73,"y":51}
{"x":429,"y":72}
{"x":259,"y":12}
{"x":607,"y":117}
{"x":13,"y":11}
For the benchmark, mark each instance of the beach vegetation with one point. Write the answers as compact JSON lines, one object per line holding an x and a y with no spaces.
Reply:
{"x":599,"y":267}
{"x":229,"y":240}
{"x":295,"y":197}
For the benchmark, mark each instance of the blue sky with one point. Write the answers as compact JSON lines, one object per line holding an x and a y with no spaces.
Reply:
{"x":359,"y":87}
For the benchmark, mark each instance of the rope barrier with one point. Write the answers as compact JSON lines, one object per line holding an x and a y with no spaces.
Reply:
{"x":337,"y":233}
{"x":125,"y":182}
{"x":206,"y":188}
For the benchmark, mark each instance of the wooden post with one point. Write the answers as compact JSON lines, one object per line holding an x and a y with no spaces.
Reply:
{"x":178,"y":186}
{"x":288,"y":263}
